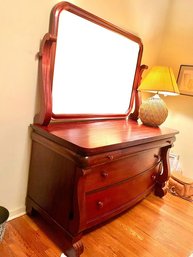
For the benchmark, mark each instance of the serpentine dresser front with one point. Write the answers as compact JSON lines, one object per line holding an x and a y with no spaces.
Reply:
{"x":84,"y":173}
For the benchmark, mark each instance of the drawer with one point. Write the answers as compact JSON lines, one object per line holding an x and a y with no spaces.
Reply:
{"x":101,"y":205}
{"x":120,"y":170}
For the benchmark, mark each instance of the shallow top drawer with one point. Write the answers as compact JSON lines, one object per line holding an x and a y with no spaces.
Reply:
{"x":120,"y":170}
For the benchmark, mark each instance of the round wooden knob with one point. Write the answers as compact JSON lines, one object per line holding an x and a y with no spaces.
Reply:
{"x":110,"y":157}
{"x":100,"y":204}
{"x":104,"y":174}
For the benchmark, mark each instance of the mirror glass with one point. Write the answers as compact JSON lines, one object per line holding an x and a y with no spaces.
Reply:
{"x":94,"y":68}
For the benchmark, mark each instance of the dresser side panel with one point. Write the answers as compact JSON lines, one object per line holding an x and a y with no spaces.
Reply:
{"x":51,"y":183}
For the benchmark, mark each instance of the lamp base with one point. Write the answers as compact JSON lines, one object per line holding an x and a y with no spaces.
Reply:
{"x":153,"y":111}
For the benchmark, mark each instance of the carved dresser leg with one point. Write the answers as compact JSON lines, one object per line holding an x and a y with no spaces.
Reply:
{"x":164,"y":172}
{"x":160,"y":189}
{"x":76,"y":250}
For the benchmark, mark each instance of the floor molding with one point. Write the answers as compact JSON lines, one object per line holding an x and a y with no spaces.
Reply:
{"x":13,"y":214}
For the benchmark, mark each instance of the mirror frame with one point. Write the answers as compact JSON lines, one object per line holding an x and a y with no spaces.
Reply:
{"x":46,"y":65}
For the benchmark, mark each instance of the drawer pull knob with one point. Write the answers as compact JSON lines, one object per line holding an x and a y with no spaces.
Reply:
{"x":100,"y":204}
{"x":104,"y":174}
{"x":110,"y":157}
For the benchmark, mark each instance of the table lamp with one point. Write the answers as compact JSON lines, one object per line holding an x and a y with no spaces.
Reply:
{"x":159,"y":80}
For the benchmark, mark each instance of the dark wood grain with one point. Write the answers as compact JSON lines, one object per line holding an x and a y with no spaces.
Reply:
{"x":67,"y":160}
{"x":105,"y":175}
{"x":100,"y":136}
{"x":107,"y":202}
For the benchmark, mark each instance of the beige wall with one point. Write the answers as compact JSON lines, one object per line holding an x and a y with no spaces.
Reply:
{"x":177,"y":49}
{"x":23,"y":24}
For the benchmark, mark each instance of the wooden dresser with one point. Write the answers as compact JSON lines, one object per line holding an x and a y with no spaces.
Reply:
{"x":82,"y":174}
{"x":86,"y":168}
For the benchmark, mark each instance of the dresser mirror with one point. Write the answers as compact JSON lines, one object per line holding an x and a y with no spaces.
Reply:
{"x":92,"y":66}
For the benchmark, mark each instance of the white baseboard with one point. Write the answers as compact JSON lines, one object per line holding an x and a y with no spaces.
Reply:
{"x":13,"y":214}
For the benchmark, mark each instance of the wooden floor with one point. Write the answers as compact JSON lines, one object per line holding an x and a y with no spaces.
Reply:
{"x":153,"y":228}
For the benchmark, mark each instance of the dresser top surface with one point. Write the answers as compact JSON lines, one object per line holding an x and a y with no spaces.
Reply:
{"x":91,"y":137}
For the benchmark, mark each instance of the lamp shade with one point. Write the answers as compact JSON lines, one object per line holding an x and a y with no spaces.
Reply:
{"x":160,"y":79}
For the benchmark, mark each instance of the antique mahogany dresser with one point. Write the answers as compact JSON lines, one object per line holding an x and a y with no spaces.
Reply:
{"x":91,"y":159}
